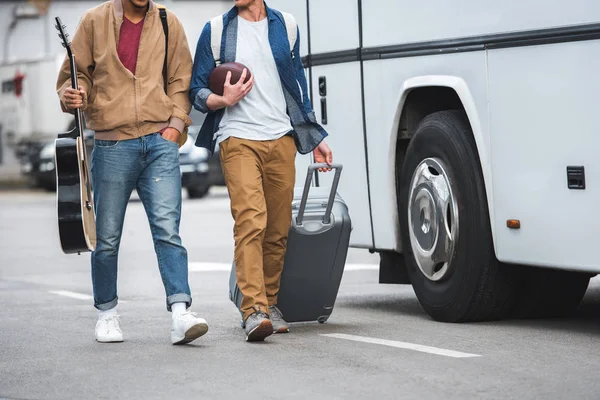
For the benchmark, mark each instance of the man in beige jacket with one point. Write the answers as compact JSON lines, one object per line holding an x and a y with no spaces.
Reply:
{"x":119,"y":47}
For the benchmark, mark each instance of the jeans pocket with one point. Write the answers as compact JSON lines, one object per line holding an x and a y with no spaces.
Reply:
{"x":105,"y":143}
{"x":166,"y":140}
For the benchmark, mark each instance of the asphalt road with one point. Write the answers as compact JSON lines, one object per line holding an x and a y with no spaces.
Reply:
{"x":378,"y":344}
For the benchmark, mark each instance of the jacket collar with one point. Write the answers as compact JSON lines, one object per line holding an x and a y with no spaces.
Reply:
{"x":118,"y":7}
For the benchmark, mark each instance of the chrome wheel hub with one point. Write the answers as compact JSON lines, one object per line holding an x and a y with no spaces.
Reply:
{"x":432,"y":219}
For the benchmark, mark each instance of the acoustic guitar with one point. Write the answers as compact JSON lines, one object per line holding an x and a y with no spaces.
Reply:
{"x":76,"y":215}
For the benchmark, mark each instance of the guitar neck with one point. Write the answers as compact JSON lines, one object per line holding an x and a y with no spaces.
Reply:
{"x":75,"y":85}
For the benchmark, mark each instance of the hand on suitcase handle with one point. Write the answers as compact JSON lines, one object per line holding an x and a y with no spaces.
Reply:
{"x":336,"y":180}
{"x":315,"y":166}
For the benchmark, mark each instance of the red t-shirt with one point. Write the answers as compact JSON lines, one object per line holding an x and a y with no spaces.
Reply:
{"x":129,"y":42}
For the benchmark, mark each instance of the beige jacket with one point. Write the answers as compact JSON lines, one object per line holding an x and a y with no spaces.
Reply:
{"x":119,"y":105}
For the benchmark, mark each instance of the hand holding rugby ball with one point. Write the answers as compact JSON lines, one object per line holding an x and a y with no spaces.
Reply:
{"x":218,"y":77}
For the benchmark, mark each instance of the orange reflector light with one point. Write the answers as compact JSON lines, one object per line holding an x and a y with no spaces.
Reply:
{"x":513,"y":223}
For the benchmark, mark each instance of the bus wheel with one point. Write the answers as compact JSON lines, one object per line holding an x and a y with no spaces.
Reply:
{"x":545,"y":293}
{"x":445,"y":225}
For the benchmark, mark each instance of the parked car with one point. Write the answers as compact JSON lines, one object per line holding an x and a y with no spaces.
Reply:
{"x":199,"y":171}
{"x":215,"y":174}
{"x":194,"y":165}
{"x":216,"y":177}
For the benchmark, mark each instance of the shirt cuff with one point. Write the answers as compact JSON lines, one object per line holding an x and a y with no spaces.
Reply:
{"x":177,"y":123}
{"x":200,"y":102}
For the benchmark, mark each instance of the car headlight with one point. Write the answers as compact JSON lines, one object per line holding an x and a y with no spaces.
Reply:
{"x":198,"y":154}
{"x":47,"y":151}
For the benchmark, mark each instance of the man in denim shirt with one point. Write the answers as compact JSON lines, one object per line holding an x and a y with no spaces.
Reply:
{"x":259,"y":126}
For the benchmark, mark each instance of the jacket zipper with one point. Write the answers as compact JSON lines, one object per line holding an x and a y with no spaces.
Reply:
{"x":135,"y":104}
{"x":135,"y":85}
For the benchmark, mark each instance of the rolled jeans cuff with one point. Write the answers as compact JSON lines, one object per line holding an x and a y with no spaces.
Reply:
{"x":179,"y":298}
{"x":107,"y":306}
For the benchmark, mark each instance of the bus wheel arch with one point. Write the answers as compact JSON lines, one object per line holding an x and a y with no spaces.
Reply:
{"x":425,"y":95}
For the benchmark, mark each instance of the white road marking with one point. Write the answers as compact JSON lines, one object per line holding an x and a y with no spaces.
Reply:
{"x":403,"y":345}
{"x":75,"y":295}
{"x":208,"y":267}
{"x":361,"y":267}
{"x":226,"y":267}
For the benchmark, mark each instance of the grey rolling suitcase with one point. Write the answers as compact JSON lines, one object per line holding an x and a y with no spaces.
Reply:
{"x":316,"y":252}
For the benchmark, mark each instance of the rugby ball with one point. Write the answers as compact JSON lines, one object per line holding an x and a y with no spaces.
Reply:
{"x":216,"y":79}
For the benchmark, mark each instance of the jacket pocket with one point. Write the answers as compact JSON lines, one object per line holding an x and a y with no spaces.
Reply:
{"x":156,"y":106}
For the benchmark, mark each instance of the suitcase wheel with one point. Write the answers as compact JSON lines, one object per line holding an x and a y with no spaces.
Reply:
{"x":322,"y":320}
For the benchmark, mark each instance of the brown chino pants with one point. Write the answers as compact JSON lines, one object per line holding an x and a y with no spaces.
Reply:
{"x":260,"y":178}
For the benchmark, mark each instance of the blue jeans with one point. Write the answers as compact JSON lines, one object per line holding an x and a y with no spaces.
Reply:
{"x":149,"y":164}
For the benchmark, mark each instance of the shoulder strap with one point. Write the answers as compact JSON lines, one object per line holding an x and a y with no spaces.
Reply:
{"x":292,"y":29}
{"x":216,"y":35}
{"x":163,"y":19}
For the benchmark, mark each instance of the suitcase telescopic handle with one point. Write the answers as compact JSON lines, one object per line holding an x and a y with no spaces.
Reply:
{"x":309,"y":176}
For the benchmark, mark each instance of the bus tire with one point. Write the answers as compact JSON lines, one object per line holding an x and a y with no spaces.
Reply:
{"x":547,"y":293}
{"x":445,"y":225}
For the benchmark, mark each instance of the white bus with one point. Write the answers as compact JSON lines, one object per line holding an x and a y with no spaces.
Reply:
{"x":469,"y":135}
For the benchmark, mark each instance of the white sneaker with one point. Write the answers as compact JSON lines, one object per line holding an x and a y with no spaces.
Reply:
{"x":108,"y":330}
{"x":187,"y":327}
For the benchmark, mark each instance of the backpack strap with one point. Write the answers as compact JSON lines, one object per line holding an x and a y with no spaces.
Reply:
{"x":216,"y":35}
{"x":292,"y":30}
{"x":163,"y":18}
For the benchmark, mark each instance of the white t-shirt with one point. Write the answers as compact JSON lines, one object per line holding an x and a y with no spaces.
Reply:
{"x":261,"y":115}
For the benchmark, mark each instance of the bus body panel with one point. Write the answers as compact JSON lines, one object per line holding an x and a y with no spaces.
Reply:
{"x":544,"y":117}
{"x":345,"y":127}
{"x":531,"y":109}
{"x":392,"y":22}
{"x":343,"y":105}
{"x":333,"y":25}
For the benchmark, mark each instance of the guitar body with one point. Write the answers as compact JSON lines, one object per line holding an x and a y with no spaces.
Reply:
{"x":76,"y":215}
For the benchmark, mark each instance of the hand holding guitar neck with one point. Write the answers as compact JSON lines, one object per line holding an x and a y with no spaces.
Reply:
{"x":73,"y":98}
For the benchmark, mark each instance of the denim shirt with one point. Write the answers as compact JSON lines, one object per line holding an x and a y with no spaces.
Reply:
{"x":306,"y":131}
